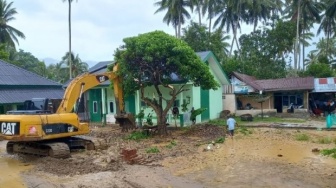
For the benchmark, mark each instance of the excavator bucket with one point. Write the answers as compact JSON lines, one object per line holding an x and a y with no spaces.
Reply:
{"x":125,"y":121}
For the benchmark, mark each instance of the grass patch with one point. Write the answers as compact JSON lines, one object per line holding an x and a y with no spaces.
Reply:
{"x":245,"y":131}
{"x":153,"y":150}
{"x":137,"y":136}
{"x":218,"y":122}
{"x":329,"y":152}
{"x":324,"y":140}
{"x":302,"y":137}
{"x":220,"y":140}
{"x":171,"y":144}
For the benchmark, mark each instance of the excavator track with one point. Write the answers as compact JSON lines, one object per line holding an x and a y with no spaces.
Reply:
{"x":58,"y":148}
{"x":52,"y":149}
{"x":93,"y":143}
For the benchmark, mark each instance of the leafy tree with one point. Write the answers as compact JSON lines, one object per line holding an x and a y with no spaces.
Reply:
{"x":319,"y":70}
{"x":8,"y":34}
{"x":151,"y":60}
{"x":328,"y":23}
{"x":259,"y":54}
{"x":27,"y":61}
{"x":4,"y":54}
{"x":199,"y":39}
{"x":58,"y":72}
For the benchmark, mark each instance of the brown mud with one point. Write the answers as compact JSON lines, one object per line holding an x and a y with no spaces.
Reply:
{"x":256,"y":157}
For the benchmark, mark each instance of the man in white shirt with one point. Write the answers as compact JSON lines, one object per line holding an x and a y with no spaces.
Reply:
{"x":231,"y":123}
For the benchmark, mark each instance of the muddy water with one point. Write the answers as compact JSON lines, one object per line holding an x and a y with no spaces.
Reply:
{"x":10,"y":169}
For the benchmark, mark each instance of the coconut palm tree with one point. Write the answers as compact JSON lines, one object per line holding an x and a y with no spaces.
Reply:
{"x":176,"y":12}
{"x":210,"y":8}
{"x":8,"y":34}
{"x":197,"y":5}
{"x":328,"y":23}
{"x":69,"y":22}
{"x":229,"y":16}
{"x":306,"y":13}
{"x":77,"y":67}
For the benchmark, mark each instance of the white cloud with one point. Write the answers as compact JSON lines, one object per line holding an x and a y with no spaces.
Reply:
{"x":98,"y":27}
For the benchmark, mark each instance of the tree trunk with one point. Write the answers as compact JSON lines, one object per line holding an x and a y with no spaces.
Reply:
{"x":161,"y":122}
{"x":69,"y":20}
{"x":199,"y":15}
{"x":297,"y":37}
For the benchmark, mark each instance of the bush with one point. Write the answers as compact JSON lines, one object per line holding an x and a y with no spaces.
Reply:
{"x":137,"y":136}
{"x":328,"y":152}
{"x":324,"y":140}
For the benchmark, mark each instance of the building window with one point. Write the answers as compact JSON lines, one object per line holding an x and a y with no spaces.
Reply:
{"x":177,"y":103}
{"x":95,"y":107}
{"x":111,"y":105}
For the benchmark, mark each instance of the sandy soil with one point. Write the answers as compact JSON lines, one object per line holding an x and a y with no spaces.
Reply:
{"x":256,"y":157}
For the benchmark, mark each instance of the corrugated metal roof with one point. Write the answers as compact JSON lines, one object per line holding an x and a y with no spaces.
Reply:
{"x":8,"y":96}
{"x":249,"y":80}
{"x":99,"y":66}
{"x":325,"y":84}
{"x":282,"y":84}
{"x":13,"y":75}
{"x":203,"y":54}
{"x":286,"y":84}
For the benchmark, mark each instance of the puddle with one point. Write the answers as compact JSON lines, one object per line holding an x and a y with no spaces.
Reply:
{"x":10,"y":170}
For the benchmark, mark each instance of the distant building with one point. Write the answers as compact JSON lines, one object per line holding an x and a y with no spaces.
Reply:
{"x":18,"y":85}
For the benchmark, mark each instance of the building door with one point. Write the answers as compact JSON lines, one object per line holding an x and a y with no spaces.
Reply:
{"x":95,"y":105}
{"x":205,"y":103}
{"x":278,"y":103}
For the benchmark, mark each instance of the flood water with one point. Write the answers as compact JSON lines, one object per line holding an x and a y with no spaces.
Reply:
{"x":10,"y":169}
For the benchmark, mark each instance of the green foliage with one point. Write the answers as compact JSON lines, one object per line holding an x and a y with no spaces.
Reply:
{"x":259,"y":54}
{"x":328,"y":152}
{"x":220,"y":140}
{"x":157,"y":59}
{"x":302,"y":137}
{"x":245,"y":131}
{"x":199,"y":39}
{"x":324,"y":140}
{"x":185,"y":104}
{"x":171,"y":144}
{"x":219,"y":122}
{"x":149,"y":120}
{"x":153,"y":150}
{"x":197,"y":112}
{"x":137,"y":136}
{"x":152,"y":58}
{"x":140,"y":115}
{"x":319,"y":70}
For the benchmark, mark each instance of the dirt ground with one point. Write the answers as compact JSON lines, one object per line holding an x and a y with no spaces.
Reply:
{"x":256,"y":157}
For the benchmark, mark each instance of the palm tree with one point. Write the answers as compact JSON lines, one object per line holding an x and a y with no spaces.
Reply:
{"x":8,"y":34}
{"x":328,"y":23}
{"x":176,"y":12}
{"x":69,"y":21}
{"x":77,"y":67}
{"x":229,"y":16}
{"x":306,"y":13}
{"x":209,"y":8}
{"x":197,"y":5}
{"x":261,"y":10}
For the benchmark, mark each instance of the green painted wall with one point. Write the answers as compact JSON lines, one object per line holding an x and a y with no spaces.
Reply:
{"x":205,"y":103}
{"x":95,"y":101}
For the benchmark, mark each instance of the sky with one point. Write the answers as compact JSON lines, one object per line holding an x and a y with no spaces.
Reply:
{"x":98,"y":27}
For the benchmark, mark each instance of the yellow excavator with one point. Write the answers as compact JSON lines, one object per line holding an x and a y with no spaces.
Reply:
{"x":38,"y":131}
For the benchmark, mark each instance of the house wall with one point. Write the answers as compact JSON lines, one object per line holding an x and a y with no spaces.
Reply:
{"x":229,"y":102}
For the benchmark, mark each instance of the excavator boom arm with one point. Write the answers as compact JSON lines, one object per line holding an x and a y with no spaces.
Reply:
{"x":87,"y":81}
